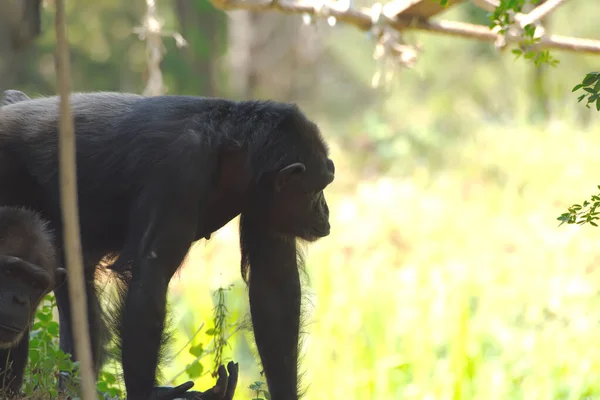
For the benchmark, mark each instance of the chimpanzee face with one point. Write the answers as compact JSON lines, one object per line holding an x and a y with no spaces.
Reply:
{"x":298,"y":207}
{"x":22,"y":286}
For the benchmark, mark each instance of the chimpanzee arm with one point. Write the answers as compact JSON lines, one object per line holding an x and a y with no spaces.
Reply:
{"x":275,"y":295}
{"x":12,"y":365}
{"x":164,"y":221}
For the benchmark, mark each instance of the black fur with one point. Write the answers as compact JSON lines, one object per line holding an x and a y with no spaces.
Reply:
{"x":28,"y":271}
{"x":156,"y":174}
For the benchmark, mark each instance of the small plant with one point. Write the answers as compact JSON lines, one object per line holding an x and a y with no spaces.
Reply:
{"x":257,"y":388}
{"x":219,"y":333}
{"x":46,"y":359}
{"x":220,"y":326}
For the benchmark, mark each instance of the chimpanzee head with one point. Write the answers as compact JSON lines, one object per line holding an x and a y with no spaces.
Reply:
{"x":293,"y":198}
{"x":22,"y":286}
{"x":299,"y":207}
{"x":27,"y":271}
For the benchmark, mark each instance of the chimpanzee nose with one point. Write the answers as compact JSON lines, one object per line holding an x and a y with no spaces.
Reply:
{"x":19,"y":299}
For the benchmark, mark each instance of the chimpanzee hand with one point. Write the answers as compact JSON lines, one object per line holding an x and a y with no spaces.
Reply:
{"x":223,"y":390}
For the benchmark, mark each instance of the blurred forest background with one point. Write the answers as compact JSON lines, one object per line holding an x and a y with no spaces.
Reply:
{"x":446,"y":274}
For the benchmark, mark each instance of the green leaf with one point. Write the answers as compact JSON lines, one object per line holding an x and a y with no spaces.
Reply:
{"x":564,"y":217}
{"x":591,"y":78}
{"x":45,"y":317}
{"x":53,"y":328}
{"x":34,"y":356}
{"x":196,"y":350}
{"x":194,"y":370}
{"x":109,"y":378}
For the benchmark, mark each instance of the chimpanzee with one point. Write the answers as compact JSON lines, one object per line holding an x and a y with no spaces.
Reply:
{"x":13,"y":96}
{"x":28,"y":271}
{"x":156,"y":174}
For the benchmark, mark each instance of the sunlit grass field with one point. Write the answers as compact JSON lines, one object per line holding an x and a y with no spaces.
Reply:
{"x":455,"y":284}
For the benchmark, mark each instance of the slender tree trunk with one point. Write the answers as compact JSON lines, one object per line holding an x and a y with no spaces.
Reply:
{"x":204,"y":28}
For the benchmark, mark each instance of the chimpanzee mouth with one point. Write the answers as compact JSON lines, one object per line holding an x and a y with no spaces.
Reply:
{"x":323,"y":232}
{"x":317,"y":233}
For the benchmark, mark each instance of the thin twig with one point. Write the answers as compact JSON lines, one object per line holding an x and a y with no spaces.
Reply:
{"x":70,"y":213}
{"x":189,"y":341}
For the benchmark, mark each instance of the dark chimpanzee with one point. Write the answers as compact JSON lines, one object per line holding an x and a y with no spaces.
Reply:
{"x":156,"y":174}
{"x":28,"y":271}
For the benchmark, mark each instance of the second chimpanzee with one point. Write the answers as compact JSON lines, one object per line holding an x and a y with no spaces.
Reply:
{"x":28,"y":272}
{"x":156,"y":174}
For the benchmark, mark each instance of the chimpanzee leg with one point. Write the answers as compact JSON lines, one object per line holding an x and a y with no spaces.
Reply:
{"x":275,"y":296}
{"x":166,"y":244}
{"x":163,"y":223}
{"x":12,"y":365}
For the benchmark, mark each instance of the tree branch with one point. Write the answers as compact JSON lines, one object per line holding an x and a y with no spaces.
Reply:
{"x":539,"y":12}
{"x":70,"y":213}
{"x":362,"y":20}
{"x":487,"y":5}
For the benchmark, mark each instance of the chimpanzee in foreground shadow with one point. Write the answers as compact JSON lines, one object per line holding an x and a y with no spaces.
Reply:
{"x":28,"y":271}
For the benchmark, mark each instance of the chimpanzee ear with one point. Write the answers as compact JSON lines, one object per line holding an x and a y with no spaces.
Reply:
{"x":286,"y":173}
{"x":59,"y":277}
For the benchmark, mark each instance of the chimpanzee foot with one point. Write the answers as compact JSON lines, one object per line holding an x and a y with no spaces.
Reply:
{"x":223,"y":390}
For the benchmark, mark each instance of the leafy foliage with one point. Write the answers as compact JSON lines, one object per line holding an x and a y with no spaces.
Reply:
{"x":586,"y":212}
{"x":46,"y":359}
{"x":591,"y":86}
{"x":583,"y":213}
{"x":502,"y":15}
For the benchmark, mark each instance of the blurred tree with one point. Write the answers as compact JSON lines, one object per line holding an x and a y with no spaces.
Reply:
{"x":204,"y":28}
{"x":19,"y":25}
{"x":270,"y":53}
